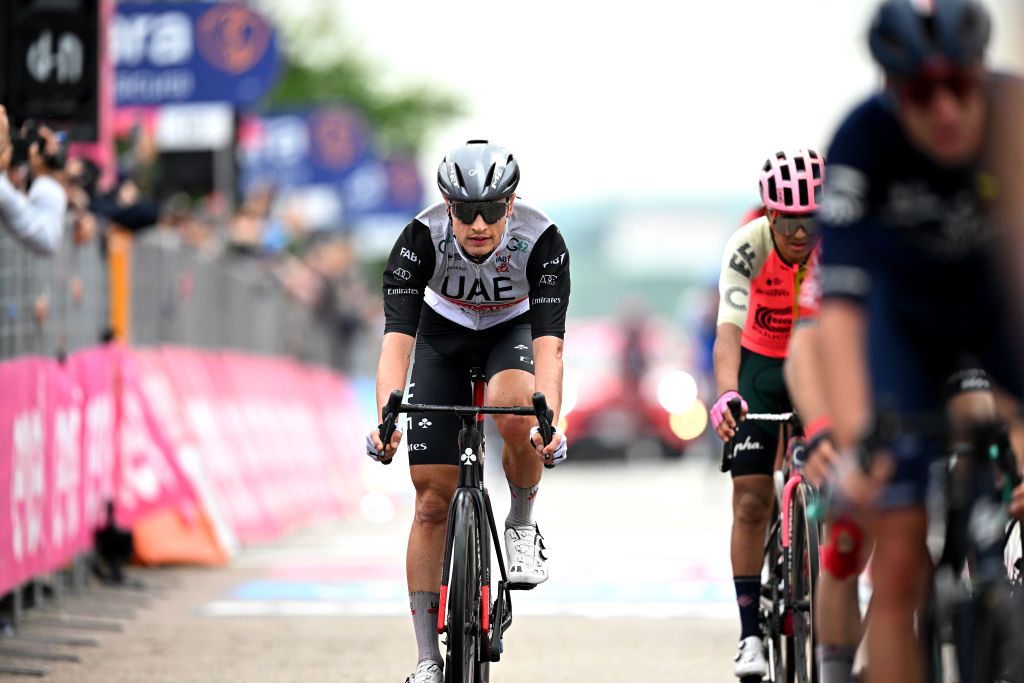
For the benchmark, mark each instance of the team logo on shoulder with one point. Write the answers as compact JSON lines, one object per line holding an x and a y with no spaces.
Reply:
{"x":401,"y":273}
{"x":742,"y":260}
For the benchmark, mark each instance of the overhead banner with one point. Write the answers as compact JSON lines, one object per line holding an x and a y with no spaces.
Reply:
{"x":167,"y":53}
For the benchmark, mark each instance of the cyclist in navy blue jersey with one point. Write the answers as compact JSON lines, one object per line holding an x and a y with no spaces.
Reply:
{"x":912,"y":277}
{"x":493,"y":273}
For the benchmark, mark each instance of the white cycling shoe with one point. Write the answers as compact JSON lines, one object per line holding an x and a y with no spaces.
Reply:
{"x":749,"y":659}
{"x":427,"y":671}
{"x":527,"y":562}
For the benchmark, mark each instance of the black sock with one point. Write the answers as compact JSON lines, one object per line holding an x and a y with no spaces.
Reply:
{"x":748,"y":594}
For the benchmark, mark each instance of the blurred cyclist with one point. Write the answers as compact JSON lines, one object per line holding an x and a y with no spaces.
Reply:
{"x":910,"y":282}
{"x":494,"y":274}
{"x":762,"y":269}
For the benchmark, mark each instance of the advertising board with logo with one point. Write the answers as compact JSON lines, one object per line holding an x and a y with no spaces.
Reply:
{"x":192,"y":52}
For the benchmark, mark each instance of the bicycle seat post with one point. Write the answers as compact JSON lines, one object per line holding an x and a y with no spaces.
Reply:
{"x":476,"y":375}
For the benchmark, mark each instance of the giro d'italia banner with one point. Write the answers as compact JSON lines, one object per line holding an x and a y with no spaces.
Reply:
{"x":166,"y":53}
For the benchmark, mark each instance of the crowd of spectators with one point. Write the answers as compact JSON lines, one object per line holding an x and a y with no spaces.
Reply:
{"x":45,"y":199}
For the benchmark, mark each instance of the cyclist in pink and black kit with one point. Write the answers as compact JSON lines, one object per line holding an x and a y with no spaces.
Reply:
{"x":762,"y":270}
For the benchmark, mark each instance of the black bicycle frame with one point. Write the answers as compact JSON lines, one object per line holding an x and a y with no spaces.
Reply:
{"x":471,"y":484}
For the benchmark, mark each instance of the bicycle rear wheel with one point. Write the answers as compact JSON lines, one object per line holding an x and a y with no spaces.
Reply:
{"x":464,"y":615}
{"x":999,"y":630}
{"x":802,"y":586}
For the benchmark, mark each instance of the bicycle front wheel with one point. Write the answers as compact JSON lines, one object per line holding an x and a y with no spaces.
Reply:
{"x":464,"y":621}
{"x":802,"y":585}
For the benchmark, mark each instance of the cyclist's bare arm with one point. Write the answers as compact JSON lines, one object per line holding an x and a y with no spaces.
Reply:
{"x":392,"y":369}
{"x":802,"y":370}
{"x":803,"y":373}
{"x":844,"y":368}
{"x":727,"y":369}
{"x":738,"y":266}
{"x":547,"y":368}
{"x":547,"y":358}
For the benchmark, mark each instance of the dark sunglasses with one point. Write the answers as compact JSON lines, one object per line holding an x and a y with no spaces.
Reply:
{"x":788,"y":225}
{"x":467,"y":212}
{"x":920,"y":92}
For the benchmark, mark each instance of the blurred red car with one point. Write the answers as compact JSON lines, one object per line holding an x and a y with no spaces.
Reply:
{"x":627,"y":393}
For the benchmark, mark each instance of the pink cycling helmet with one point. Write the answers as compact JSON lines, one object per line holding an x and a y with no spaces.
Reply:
{"x":792,"y":183}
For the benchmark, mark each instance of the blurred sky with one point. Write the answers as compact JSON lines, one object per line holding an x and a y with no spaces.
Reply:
{"x":642,"y":99}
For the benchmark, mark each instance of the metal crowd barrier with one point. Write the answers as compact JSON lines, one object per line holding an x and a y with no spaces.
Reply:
{"x":51,"y":304}
{"x":170,"y":294}
{"x":180,"y":296}
{"x":145,"y":290}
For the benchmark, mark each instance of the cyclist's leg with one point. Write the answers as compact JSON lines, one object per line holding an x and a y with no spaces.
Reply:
{"x":754,"y":454}
{"x":433,"y":443}
{"x":907,"y":375}
{"x":837,"y":618}
{"x":509,"y":370}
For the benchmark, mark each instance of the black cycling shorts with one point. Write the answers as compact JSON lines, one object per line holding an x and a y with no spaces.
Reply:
{"x":763,"y":387}
{"x":440,"y":376}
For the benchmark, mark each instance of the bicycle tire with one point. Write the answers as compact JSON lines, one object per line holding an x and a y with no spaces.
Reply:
{"x":464,"y":622}
{"x":999,"y":628}
{"x":771,"y":612}
{"x":802,"y":586}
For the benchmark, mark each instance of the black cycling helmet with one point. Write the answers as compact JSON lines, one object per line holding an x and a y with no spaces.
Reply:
{"x":909,"y":37}
{"x":478,"y":171}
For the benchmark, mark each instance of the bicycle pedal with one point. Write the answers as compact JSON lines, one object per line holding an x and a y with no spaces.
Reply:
{"x":521,"y":586}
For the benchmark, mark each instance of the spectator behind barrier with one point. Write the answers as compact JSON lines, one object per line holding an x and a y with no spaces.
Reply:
{"x":35,"y":219}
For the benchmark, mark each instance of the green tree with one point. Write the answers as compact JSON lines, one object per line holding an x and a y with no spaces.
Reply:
{"x":318,"y":66}
{"x":401,"y":120}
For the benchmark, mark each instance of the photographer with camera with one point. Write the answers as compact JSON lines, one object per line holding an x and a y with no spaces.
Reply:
{"x":35,"y":218}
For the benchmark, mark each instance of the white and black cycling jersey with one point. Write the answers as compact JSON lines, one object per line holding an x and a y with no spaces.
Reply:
{"x":525,"y":279}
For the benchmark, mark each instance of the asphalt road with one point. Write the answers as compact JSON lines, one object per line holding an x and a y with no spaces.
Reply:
{"x":640,"y":590}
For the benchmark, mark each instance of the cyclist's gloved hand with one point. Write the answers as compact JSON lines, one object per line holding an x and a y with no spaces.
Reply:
{"x":375,"y":449}
{"x":721,"y":417}
{"x":556,"y":451}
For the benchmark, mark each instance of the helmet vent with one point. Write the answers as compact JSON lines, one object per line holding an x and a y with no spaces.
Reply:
{"x":803,"y":190}
{"x":787,"y":196}
{"x":773,"y":192}
{"x":785,"y":172}
{"x":490,"y":174}
{"x":458,"y":174}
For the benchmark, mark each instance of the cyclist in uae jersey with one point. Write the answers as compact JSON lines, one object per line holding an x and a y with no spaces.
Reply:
{"x":911,"y":281}
{"x":479,"y":280}
{"x":761,"y":273}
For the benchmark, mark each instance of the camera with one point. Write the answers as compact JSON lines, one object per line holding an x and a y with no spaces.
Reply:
{"x":29,"y":135}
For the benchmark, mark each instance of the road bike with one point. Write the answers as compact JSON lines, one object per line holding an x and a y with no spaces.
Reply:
{"x":472,"y":623}
{"x":790,"y":574}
